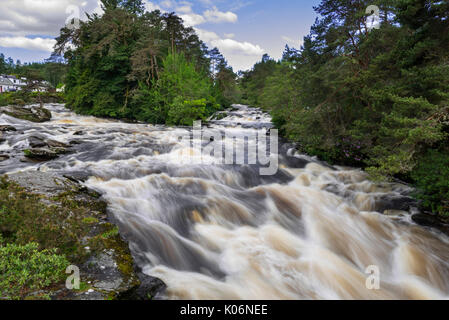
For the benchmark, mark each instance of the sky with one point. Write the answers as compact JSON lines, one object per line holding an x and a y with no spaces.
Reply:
{"x":243,"y":30}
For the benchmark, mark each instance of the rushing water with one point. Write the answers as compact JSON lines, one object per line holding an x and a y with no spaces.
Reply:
{"x":214,"y":231}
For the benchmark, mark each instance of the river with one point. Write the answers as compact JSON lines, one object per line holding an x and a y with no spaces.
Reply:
{"x":220,"y":231}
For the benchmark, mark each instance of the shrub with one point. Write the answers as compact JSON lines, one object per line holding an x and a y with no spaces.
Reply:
{"x":431,"y":177}
{"x":186,"y":112}
{"x":24,"y":269}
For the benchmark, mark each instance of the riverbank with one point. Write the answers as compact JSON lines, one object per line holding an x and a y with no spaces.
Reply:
{"x":54,"y":218}
{"x":59,"y":214}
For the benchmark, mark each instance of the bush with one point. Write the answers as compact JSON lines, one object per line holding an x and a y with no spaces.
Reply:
{"x":24,"y":269}
{"x":186,"y":112}
{"x":431,"y":177}
{"x":24,"y":219}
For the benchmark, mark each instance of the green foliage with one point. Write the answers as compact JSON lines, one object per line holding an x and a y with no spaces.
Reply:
{"x":142,"y":65}
{"x":431,"y":176}
{"x":375,"y":99}
{"x":24,"y":268}
{"x":22,"y":98}
{"x":24,"y":219}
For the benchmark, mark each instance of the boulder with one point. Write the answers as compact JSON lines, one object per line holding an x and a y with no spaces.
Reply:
{"x":148,"y":289}
{"x":44,"y":154}
{"x":4,"y":128}
{"x":396,"y":202}
{"x":37,"y":141}
{"x":426,"y":220}
{"x":56,"y":144}
{"x":3,"y":157}
{"x":33,"y":114}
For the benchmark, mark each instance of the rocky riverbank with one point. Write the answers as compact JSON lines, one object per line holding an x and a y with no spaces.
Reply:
{"x":107,"y":270}
{"x":58,"y":212}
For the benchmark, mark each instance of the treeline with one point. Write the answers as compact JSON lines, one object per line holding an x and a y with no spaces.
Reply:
{"x":376,"y":98}
{"x":53,"y":70}
{"x":128,"y":63}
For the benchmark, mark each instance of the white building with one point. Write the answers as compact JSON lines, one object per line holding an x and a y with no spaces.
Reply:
{"x":11,"y":83}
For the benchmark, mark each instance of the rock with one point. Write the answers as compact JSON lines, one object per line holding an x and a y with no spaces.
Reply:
{"x":4,"y":128}
{"x":56,"y":144}
{"x":44,"y":154}
{"x":42,"y":182}
{"x":78,"y":133}
{"x":431,"y":221}
{"x":426,"y":220}
{"x":4,"y":157}
{"x":77,"y":176}
{"x":149,"y":289}
{"x":36,"y":141}
{"x":395,"y":213}
{"x":33,"y":114}
{"x":294,"y":162}
{"x":396,"y":202}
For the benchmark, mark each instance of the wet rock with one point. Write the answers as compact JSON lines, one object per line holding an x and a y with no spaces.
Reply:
{"x":78,"y":133}
{"x":395,"y":202}
{"x":76,"y":142}
{"x":37,"y":141}
{"x":4,"y":128}
{"x":78,"y":176}
{"x":40,"y":141}
{"x":33,"y":113}
{"x":395,"y":213}
{"x":426,"y":220}
{"x":4,"y":157}
{"x":44,"y":154}
{"x":431,"y":221}
{"x":56,"y":144}
{"x":149,"y":289}
{"x":294,"y":162}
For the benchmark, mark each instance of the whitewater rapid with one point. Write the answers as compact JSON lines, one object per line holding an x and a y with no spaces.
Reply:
{"x":216,"y":231}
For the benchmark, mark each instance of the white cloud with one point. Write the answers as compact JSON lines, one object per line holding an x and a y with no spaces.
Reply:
{"x":150,"y":6}
{"x":206,"y":36}
{"x":297,"y":43}
{"x":236,"y":47}
{"x":229,"y":35}
{"x":39,"y":44}
{"x":40,"y":17}
{"x":192,"y":19}
{"x":217,"y":16}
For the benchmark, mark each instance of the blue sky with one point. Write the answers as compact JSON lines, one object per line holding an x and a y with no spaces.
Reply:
{"x":242,"y":29}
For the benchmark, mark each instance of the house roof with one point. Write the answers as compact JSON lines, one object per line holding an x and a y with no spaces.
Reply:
{"x":5,"y":82}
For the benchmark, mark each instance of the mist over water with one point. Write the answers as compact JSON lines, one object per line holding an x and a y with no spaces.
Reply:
{"x":215,"y":231}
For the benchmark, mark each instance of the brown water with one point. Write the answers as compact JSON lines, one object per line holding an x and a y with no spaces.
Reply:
{"x":214,"y":231}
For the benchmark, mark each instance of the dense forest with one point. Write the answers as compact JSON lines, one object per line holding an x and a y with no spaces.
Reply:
{"x":133,"y":64}
{"x":53,"y":70}
{"x":376,"y":98}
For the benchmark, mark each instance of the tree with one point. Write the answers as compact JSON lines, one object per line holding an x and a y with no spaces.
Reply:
{"x":129,"y":64}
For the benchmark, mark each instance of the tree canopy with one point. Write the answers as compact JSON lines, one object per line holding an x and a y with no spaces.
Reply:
{"x":128,"y":63}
